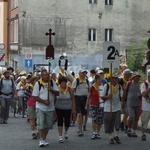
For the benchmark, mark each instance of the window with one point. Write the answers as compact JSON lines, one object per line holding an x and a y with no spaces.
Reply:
{"x":108,"y":2}
{"x":92,"y":35}
{"x":93,"y":1}
{"x":108,"y":34}
{"x":14,"y":31}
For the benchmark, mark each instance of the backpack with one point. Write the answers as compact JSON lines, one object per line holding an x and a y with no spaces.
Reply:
{"x":27,"y":93}
{"x":108,"y":89}
{"x":1,"y":84}
{"x":78,"y":82}
{"x":40,"y":85}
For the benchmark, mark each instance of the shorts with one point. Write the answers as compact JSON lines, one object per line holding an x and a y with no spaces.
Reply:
{"x":133,"y":112}
{"x":124,"y":110}
{"x":80,"y":102}
{"x":111,"y":121}
{"x":31,"y":112}
{"x":44,"y":119}
{"x":145,"y":118}
{"x":97,"y":114}
{"x":13,"y":103}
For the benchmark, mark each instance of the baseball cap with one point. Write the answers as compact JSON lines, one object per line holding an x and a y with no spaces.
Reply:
{"x":127,"y":71}
{"x":82,"y":70}
{"x":114,"y":76}
{"x":100,"y":71}
{"x":148,"y":72}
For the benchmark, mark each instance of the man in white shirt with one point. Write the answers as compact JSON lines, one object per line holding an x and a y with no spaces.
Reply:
{"x":145,"y":91}
{"x":44,"y":105}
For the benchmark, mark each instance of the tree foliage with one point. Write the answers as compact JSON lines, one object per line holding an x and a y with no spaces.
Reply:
{"x":135,"y":56}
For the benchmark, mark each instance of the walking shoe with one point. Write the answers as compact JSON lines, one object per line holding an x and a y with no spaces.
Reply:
{"x":45,"y":143}
{"x":143,"y":137}
{"x":80,"y":133}
{"x":60,"y":140}
{"x":5,"y":122}
{"x":129,"y":133}
{"x":34,"y":136}
{"x":2,"y":121}
{"x":93,"y":137}
{"x":117,"y":140}
{"x":15,"y":115}
{"x":41,"y":143}
{"x":111,"y":141}
{"x":24,"y":116}
{"x":71,"y":124}
{"x":98,"y":136}
{"x":134,"y":134}
{"x":65,"y":135}
{"x":84,"y":128}
{"x":126,"y":131}
{"x":37,"y":136}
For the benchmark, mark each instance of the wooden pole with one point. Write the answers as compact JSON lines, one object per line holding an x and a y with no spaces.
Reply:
{"x":110,"y":90}
{"x":49,"y":64}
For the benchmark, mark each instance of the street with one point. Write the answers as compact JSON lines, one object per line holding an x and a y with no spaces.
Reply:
{"x":16,"y":135}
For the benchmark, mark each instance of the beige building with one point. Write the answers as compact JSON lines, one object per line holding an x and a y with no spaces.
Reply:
{"x":3,"y":33}
{"x":81,"y":27}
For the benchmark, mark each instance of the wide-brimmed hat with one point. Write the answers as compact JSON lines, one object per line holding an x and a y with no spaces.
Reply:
{"x":10,"y":68}
{"x":135,"y":74}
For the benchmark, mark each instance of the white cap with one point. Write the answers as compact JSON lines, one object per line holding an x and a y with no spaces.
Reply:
{"x":127,"y":71}
{"x":148,"y":72}
{"x":100,"y":71}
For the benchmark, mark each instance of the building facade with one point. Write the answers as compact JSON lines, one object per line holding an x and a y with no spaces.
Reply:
{"x":3,"y":33}
{"x":81,"y":27}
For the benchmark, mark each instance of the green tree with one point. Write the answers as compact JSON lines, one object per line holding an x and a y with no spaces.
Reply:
{"x":135,"y":56}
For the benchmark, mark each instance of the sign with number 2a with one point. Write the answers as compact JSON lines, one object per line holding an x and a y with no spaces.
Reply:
{"x":111,"y":54}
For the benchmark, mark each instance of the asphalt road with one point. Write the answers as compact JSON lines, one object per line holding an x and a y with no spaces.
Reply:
{"x":16,"y":135}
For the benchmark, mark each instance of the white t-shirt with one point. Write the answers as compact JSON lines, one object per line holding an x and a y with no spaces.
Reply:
{"x":116,"y":104}
{"x":20,"y":90}
{"x":145,"y":104}
{"x":82,"y":88}
{"x":43,"y":94}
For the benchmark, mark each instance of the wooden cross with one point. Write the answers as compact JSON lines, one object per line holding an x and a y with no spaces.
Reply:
{"x":50,"y":33}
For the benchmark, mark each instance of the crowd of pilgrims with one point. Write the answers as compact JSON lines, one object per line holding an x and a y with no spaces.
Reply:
{"x":69,"y":99}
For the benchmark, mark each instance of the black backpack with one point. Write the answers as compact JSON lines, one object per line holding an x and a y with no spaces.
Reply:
{"x":1,"y":84}
{"x":78,"y":82}
{"x":108,"y":89}
{"x":40,"y":85}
